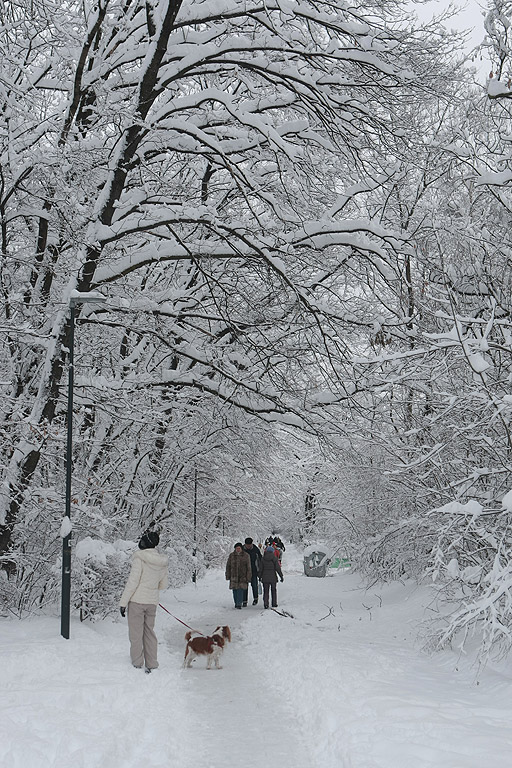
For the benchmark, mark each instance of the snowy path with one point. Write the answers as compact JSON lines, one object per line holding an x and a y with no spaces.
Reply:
{"x":235,"y":705}
{"x":233,"y":709}
{"x":341,"y":685}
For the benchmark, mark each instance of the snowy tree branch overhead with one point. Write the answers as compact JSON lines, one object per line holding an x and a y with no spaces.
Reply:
{"x":123,"y":107}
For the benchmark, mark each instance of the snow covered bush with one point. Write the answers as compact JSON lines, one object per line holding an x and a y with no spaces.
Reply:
{"x":100,"y":570}
{"x":472,"y":566}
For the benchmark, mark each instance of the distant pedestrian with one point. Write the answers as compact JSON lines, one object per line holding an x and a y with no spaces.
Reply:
{"x":148,"y":575}
{"x":268,"y":573}
{"x":238,"y":573}
{"x":277,"y":551}
{"x":255,"y":554}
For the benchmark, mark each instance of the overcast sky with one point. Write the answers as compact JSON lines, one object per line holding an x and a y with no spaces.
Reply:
{"x":471,"y":17}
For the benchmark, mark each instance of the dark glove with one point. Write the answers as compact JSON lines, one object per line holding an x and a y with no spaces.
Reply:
{"x":122,"y":611}
{"x":282,"y":579}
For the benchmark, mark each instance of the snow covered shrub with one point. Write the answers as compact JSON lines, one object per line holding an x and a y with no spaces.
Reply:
{"x":7,"y":593}
{"x":386,"y":536}
{"x":217,"y":552}
{"x":100,"y":570}
{"x":183,"y":564}
{"x":399,"y":550}
{"x":35,"y":584}
{"x":472,"y":564}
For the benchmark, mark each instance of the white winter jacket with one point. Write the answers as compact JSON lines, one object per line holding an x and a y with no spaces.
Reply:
{"x":147,"y":576}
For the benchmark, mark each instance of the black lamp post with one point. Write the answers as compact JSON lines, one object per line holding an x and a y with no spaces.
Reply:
{"x":194,"y":551}
{"x":75,"y":298}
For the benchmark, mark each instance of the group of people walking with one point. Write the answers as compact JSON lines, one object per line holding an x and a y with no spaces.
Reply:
{"x":149,"y":574}
{"x":246,"y":565}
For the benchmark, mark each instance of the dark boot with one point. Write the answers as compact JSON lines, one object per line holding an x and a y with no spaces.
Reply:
{"x":255,"y":601}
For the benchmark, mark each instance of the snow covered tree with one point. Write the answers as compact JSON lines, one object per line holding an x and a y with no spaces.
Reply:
{"x":196,"y":162}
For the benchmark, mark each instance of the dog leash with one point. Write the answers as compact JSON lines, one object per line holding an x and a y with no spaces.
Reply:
{"x":180,"y":621}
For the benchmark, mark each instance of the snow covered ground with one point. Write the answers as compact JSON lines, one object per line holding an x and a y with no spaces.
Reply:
{"x":342,"y":684}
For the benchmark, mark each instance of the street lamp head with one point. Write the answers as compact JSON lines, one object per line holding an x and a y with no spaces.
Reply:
{"x":86,"y":297}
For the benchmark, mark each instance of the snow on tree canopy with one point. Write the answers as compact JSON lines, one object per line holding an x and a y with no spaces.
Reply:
{"x":471,"y":507}
{"x":507,"y":501}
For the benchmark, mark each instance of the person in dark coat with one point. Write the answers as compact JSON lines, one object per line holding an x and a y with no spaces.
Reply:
{"x":254,"y":553}
{"x":268,"y":573}
{"x":238,"y":573}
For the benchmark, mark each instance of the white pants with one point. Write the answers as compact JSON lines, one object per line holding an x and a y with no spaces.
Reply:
{"x":143,"y":642}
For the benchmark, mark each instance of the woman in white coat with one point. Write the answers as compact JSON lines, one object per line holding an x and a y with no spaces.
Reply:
{"x":148,"y":575}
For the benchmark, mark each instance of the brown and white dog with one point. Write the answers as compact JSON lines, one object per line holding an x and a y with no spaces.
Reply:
{"x":211,"y":647}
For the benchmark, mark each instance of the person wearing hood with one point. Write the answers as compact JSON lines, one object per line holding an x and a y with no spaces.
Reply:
{"x":255,"y":554}
{"x":148,"y":575}
{"x":268,"y":573}
{"x":238,"y":573}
